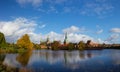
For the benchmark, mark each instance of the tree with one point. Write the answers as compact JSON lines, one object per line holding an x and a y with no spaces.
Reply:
{"x":2,"y":40}
{"x":81,"y":45}
{"x":71,"y":46}
{"x":55,"y":45}
{"x":24,"y":42}
{"x":88,"y":42}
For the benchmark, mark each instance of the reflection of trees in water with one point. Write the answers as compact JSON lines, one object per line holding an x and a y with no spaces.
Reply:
{"x":89,"y":54}
{"x":2,"y":57}
{"x":23,"y":58}
{"x":47,"y":55}
{"x":82,"y":55}
{"x":65,"y":56}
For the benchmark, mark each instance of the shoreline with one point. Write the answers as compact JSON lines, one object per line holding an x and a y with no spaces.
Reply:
{"x":24,"y":50}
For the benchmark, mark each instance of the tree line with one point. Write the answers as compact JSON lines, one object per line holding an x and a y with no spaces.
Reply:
{"x":25,"y":43}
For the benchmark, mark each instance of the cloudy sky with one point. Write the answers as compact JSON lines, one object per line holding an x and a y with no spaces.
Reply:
{"x":97,"y":20}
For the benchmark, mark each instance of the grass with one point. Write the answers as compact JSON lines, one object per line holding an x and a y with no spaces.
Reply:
{"x":12,"y":50}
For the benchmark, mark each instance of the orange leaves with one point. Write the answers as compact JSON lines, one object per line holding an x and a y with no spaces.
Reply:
{"x":24,"y":42}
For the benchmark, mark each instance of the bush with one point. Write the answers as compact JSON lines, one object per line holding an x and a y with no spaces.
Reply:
{"x":55,"y":45}
{"x":81,"y":45}
{"x":70,"y":46}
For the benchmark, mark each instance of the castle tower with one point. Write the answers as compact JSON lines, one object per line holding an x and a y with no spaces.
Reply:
{"x":65,"y":40}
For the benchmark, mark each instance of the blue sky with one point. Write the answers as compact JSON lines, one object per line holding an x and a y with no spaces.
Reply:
{"x":97,"y":20}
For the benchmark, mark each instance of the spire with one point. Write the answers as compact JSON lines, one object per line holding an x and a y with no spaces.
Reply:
{"x":65,"y":40}
{"x":48,"y":38}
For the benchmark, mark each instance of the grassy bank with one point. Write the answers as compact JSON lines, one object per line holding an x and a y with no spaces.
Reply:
{"x":12,"y":50}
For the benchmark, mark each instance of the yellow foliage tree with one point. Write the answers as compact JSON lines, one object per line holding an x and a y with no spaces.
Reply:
{"x":24,"y":42}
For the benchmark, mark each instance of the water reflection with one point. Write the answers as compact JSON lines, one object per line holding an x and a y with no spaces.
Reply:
{"x":52,"y":57}
{"x":2,"y":57}
{"x":23,"y":58}
{"x":48,"y":60}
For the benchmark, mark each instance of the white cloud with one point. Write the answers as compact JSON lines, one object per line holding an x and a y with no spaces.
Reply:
{"x":72,"y":37}
{"x":114,"y":38}
{"x":100,"y":31}
{"x":52,"y":9}
{"x":79,"y":37}
{"x":41,"y":10}
{"x":35,"y":3}
{"x":15,"y":28}
{"x":115,"y":30}
{"x":70,"y":9}
{"x":72,"y":29}
{"x":99,"y":40}
{"x":42,"y":26}
{"x":97,"y":7}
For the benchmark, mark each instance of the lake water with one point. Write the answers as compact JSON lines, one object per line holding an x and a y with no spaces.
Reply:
{"x":65,"y":61}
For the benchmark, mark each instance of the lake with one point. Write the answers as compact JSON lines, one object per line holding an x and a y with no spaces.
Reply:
{"x":64,"y":61}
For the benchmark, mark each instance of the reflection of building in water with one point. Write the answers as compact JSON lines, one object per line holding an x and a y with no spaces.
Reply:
{"x":67,"y":57}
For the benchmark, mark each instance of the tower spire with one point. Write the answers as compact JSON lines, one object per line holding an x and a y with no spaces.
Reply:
{"x":65,"y":40}
{"x":48,"y":38}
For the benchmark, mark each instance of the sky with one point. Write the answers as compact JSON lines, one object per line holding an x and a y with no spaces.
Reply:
{"x":82,"y":20}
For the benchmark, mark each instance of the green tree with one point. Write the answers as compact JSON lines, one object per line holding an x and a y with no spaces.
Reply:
{"x":71,"y":46}
{"x":24,"y":42}
{"x":2,"y":40}
{"x":81,"y":45}
{"x":55,"y":45}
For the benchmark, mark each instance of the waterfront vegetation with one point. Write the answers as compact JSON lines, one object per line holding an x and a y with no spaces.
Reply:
{"x":24,"y":44}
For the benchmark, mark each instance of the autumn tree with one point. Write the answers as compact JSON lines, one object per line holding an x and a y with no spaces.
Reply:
{"x":2,"y":40}
{"x":24,"y":42}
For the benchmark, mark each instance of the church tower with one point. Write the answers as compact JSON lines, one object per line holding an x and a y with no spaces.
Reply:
{"x":48,"y":41}
{"x":48,"y":44}
{"x":65,"y":40}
